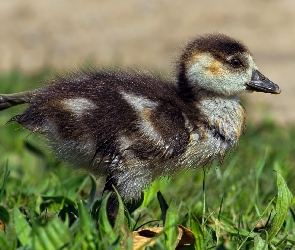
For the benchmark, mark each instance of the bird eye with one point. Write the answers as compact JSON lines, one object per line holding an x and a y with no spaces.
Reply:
{"x":236,"y":63}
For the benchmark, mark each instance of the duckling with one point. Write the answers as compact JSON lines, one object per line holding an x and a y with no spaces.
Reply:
{"x":133,"y":128}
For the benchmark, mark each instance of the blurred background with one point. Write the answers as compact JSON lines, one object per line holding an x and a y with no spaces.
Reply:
{"x":65,"y":34}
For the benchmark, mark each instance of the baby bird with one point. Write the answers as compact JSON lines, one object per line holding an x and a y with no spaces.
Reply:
{"x":133,"y":127}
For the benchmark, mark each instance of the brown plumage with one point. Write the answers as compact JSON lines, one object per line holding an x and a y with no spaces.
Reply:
{"x":134,"y":127}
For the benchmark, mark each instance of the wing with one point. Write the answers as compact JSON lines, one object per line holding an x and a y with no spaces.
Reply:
{"x":164,"y":136}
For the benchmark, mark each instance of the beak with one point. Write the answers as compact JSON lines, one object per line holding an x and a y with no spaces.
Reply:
{"x":260,"y":83}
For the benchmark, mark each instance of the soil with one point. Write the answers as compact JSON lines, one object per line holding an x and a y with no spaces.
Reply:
{"x":148,"y":35}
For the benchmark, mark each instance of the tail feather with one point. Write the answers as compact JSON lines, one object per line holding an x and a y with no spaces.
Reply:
{"x":10,"y":100}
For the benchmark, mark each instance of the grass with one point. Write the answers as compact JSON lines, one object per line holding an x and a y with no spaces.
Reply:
{"x":243,"y":204}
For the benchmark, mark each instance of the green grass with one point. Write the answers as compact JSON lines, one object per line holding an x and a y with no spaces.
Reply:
{"x":243,"y":204}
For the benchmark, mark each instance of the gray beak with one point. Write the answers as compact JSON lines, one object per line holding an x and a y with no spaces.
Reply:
{"x":260,"y":83}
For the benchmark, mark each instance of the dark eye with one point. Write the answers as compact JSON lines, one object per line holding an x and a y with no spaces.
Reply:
{"x":236,"y":63}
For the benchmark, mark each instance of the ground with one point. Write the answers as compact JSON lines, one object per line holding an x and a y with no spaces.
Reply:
{"x":64,"y":35}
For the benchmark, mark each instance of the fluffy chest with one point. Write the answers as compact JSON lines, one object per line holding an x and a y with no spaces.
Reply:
{"x":223,"y":122}
{"x":225,"y":117}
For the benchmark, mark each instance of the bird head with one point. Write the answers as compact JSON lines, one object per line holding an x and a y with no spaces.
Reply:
{"x":222,"y":65}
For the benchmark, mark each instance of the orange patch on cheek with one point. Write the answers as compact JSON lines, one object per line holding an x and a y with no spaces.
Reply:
{"x":214,"y":68}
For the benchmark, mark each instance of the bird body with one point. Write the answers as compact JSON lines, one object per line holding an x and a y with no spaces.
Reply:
{"x":134,"y":127}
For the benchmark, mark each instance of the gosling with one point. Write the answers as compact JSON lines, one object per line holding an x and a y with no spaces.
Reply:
{"x":133,"y":128}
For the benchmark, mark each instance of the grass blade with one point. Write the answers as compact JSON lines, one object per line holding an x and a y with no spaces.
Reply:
{"x":163,"y":205}
{"x":5,"y":178}
{"x":284,"y":200}
{"x":256,"y":223}
{"x":259,"y":243}
{"x":22,"y":227}
{"x":105,"y":229}
{"x":53,"y":235}
{"x":198,"y":233}
{"x":4,"y":215}
{"x":120,"y":215}
{"x":170,"y":228}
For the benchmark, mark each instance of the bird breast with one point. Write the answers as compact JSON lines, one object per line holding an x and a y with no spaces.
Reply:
{"x":223,"y":123}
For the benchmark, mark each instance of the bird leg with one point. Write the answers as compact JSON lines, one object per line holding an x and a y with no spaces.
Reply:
{"x":113,"y":203}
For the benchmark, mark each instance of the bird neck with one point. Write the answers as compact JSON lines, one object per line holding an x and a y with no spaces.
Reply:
{"x":184,"y":88}
{"x":223,"y":115}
